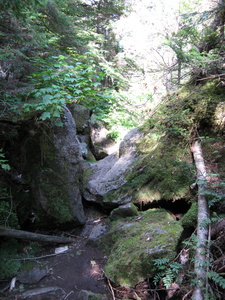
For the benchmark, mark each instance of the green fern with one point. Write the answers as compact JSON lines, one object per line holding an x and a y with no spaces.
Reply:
{"x":169,"y":271}
{"x":217,"y":278}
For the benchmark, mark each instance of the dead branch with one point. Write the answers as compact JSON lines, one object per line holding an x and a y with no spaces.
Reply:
{"x":25,"y":235}
{"x":211,"y":77}
{"x":186,"y":295}
{"x":111,"y":288}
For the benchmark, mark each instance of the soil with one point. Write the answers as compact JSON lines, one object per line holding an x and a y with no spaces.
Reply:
{"x":78,"y":268}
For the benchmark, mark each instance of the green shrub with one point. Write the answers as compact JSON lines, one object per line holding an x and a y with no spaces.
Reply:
{"x":9,"y":265}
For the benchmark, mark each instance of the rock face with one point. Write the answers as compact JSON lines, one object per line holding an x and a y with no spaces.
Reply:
{"x":81,"y":115}
{"x":110,"y":173}
{"x":102,"y":145}
{"x":93,"y":136}
{"x":54,"y":167}
{"x":133,"y":245}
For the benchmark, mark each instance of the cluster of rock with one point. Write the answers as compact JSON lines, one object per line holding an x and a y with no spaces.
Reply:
{"x":64,"y":166}
{"x":67,"y":164}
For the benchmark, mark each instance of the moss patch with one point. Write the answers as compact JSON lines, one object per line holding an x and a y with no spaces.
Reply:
{"x":8,"y":264}
{"x":58,"y":200}
{"x":134,"y":244}
{"x":166,"y":169}
{"x":166,"y":172}
{"x":190,"y":218}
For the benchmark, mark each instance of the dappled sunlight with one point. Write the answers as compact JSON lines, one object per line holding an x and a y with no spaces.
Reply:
{"x":95,"y":270}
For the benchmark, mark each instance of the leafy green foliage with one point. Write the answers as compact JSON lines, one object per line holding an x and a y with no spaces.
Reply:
{"x":49,"y":28}
{"x":217,"y":278}
{"x":197,"y":43}
{"x":78,"y":80}
{"x":8,"y":216}
{"x":3,"y":161}
{"x":167,"y":271}
{"x":9,"y":264}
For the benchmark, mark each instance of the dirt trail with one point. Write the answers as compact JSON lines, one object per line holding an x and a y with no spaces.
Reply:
{"x":79,"y":268}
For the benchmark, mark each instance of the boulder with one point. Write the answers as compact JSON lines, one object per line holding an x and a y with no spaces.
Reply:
{"x":54,"y":169}
{"x":34,"y":275}
{"x":81,"y":115}
{"x":123,"y":211}
{"x":133,"y":246}
{"x":109,"y":174}
{"x":101,"y":143}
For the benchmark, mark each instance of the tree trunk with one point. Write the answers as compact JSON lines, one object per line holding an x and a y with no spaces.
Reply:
{"x":25,"y":235}
{"x":200,"y":268}
{"x":216,"y":26}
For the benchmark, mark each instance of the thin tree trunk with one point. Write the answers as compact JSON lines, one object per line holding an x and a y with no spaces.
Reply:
{"x":25,"y":235}
{"x":200,"y":267}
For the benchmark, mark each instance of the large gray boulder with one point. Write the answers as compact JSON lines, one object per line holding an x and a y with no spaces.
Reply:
{"x":102,"y":144}
{"x":55,"y":172}
{"x":109,"y":173}
{"x":81,"y":115}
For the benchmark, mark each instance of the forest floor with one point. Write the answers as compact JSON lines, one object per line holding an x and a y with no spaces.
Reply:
{"x":79,"y":267}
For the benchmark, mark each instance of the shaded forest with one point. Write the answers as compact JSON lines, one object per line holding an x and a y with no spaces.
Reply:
{"x":56,"y":53}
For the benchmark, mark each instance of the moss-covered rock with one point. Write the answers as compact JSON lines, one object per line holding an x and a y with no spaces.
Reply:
{"x":190,"y":218}
{"x":124,"y":211}
{"x":133,"y":244}
{"x":164,"y":172}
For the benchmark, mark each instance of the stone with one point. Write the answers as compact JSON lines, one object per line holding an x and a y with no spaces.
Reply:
{"x":97,"y":232}
{"x":109,"y":174}
{"x":54,"y":164}
{"x":219,"y":116}
{"x":128,"y":144}
{"x":88,"y":295}
{"x":81,"y":116}
{"x":32,"y":276}
{"x":131,"y":247}
{"x":123,"y":211}
{"x":102,"y":145}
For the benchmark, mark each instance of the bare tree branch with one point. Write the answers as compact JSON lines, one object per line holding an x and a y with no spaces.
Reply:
{"x":25,"y":235}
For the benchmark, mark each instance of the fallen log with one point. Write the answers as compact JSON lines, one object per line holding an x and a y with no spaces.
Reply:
{"x":26,"y":235}
{"x":200,"y":267}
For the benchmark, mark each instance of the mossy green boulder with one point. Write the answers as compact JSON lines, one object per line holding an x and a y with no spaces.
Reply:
{"x":133,"y":244}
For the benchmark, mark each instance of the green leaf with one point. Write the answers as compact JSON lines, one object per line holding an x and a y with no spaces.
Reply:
{"x":78,"y":92}
{"x":56,"y":114}
{"x":45,"y":115}
{"x":57,"y":95}
{"x":47,"y":97}
{"x":6,"y":167}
